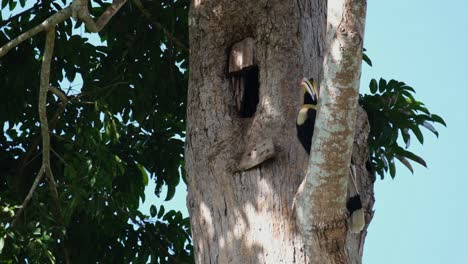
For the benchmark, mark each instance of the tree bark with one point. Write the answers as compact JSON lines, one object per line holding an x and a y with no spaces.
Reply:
{"x":243,"y":214}
{"x":321,"y":211}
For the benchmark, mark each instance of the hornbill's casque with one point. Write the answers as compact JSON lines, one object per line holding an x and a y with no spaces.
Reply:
{"x":305,"y":129}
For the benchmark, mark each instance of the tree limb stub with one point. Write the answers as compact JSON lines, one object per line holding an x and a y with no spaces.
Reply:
{"x":320,"y":204}
{"x":260,"y":153}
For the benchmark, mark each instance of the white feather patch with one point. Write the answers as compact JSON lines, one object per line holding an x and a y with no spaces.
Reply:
{"x":357,"y":221}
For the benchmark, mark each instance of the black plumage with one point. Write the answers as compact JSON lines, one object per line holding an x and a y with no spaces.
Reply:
{"x":306,"y":130}
{"x":306,"y":118}
{"x":354,"y":203}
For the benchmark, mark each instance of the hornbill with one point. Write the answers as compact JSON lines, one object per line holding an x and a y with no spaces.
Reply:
{"x":305,"y":129}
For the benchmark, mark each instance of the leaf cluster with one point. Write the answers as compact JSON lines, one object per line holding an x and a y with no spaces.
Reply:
{"x":122,"y":127}
{"x":393,"y":114}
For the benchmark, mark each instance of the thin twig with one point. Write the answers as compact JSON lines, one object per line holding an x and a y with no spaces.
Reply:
{"x":58,"y":156}
{"x":29,"y":196}
{"x":44,"y":88}
{"x":32,"y":159}
{"x":159,"y":26}
{"x":60,"y":94}
{"x":25,"y":160}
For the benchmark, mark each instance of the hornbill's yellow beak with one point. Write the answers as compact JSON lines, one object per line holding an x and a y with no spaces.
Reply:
{"x":310,"y":86}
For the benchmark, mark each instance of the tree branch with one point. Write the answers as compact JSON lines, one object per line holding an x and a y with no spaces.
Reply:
{"x":50,"y":22}
{"x":42,"y":104}
{"x":80,"y":11}
{"x":44,"y":88}
{"x":26,"y":159}
{"x":60,"y":94}
{"x":29,"y":196}
{"x":321,"y":214}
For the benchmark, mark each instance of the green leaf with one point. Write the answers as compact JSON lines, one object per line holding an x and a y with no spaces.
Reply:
{"x":392,"y":168}
{"x":410,"y":99}
{"x":409,"y":88}
{"x":161,"y":211}
{"x":4,"y":3}
{"x":366,"y":59}
{"x":406,"y":137}
{"x":144,"y":174}
{"x":384,"y":160}
{"x":412,"y":157}
{"x":373,"y":86}
{"x":392,"y":84}
{"x":2,"y":244}
{"x":418,"y":133}
{"x":13,"y":5}
{"x":153,"y":211}
{"x":57,"y":7}
{"x":382,"y":85}
{"x":170,"y":191}
{"x":405,"y":162}
{"x":430,"y":128}
{"x":438,"y":119}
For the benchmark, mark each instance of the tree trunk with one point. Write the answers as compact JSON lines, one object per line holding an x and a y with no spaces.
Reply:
{"x":244,"y":163}
{"x":320,"y":206}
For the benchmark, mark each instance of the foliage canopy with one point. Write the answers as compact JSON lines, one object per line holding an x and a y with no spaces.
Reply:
{"x":121,"y":127}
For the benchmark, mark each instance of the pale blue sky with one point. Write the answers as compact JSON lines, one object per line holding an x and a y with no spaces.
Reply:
{"x":420,"y":218}
{"x":423,"y":218}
